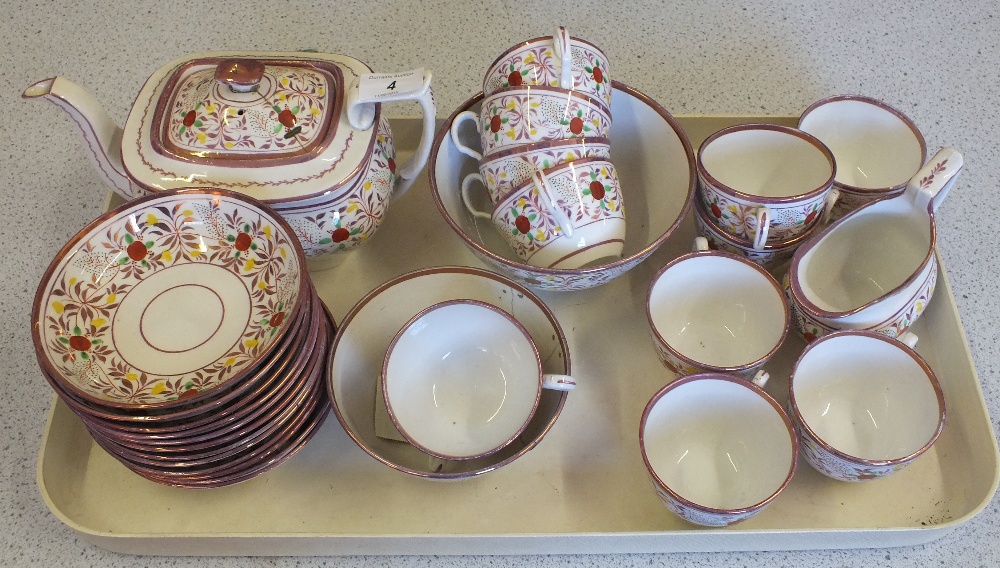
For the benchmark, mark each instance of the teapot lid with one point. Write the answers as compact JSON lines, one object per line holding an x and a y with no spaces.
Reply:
{"x":268,"y":125}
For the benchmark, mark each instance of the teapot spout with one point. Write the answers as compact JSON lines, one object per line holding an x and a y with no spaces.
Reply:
{"x":102,"y":136}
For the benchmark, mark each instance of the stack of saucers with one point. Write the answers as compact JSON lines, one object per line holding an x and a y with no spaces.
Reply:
{"x":185,"y":333}
{"x":544,"y":153}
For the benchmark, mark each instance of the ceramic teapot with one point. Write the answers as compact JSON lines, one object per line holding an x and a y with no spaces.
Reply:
{"x":303,"y":132}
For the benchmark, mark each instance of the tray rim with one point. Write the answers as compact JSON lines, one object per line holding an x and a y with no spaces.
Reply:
{"x":703,"y":539}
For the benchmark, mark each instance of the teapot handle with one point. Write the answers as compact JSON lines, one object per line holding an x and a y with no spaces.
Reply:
{"x":387,"y":87}
{"x":928,"y":188}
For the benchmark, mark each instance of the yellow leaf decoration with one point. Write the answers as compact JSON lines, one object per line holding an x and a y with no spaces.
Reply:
{"x":282,"y":252}
{"x":510,"y":134}
{"x":99,"y":322}
{"x":732,"y":208}
{"x":320,"y":92}
{"x":262,"y":285}
{"x":281,"y":96}
{"x":131,"y":376}
{"x":529,"y":58}
{"x":58,"y":307}
{"x":228,"y":144}
{"x":250,"y":343}
{"x":284,"y":82}
{"x":267,"y":231}
{"x":72,"y":281}
{"x":195,"y":253}
{"x":209,"y":107}
{"x":159,"y":387}
{"x":201,"y":137}
{"x":167,"y":256}
{"x":351,"y":207}
{"x":151,"y":219}
{"x":540,"y":235}
{"x":315,"y":111}
{"x":231,"y":361}
{"x":187,"y":213}
{"x":112,"y":298}
{"x":231,"y":111}
{"x":510,"y":105}
{"x":249,"y":264}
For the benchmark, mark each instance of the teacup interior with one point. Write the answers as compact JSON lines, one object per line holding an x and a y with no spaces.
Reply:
{"x":718,"y":444}
{"x":462,"y":380}
{"x":873,"y":147}
{"x":866,"y":397}
{"x":718,"y":311}
{"x":766,"y":163}
{"x":866,"y":256}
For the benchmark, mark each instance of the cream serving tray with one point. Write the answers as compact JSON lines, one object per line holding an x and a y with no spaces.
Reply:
{"x":583,"y":489}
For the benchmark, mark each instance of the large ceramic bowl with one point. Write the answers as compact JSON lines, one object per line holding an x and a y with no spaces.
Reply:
{"x":655,"y":164}
{"x":163,"y":301}
{"x":367,"y":330}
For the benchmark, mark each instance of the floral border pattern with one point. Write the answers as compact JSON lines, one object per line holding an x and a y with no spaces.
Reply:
{"x":767,"y":258}
{"x":737,"y":217}
{"x":537,"y":65}
{"x":84,"y":292}
{"x":512,"y":119}
{"x":503,"y":175}
{"x":593,"y":195}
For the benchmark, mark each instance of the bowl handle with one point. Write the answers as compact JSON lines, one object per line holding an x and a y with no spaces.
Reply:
{"x":374,"y":88}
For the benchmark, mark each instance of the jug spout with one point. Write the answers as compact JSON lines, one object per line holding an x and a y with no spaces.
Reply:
{"x":102,"y":136}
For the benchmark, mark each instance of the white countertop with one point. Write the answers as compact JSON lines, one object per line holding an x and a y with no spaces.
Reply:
{"x":937,"y":62}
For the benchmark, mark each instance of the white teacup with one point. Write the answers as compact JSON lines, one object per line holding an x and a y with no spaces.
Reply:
{"x":718,"y":449}
{"x":712,"y":311}
{"x":563,"y":217}
{"x":462,"y":379}
{"x":508,"y":169}
{"x":556,"y":61}
{"x":865,"y":405}
{"x":524,"y":115}
{"x":765,"y":183}
{"x":877,"y":147}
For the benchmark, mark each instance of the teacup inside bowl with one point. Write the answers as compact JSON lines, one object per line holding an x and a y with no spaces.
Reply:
{"x":461,"y":379}
{"x":655,"y":164}
{"x":365,"y":332}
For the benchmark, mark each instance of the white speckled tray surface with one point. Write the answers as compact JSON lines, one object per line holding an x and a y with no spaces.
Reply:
{"x":582,"y":490}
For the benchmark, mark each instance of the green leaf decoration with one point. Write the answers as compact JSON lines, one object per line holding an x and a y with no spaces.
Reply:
{"x":325,"y":241}
{"x":532,"y":217}
{"x":199,"y":123}
{"x":128,"y":239}
{"x":253,"y":246}
{"x":588,"y":69}
{"x":182,"y":130}
{"x":586,"y":191}
{"x":64,"y":340}
{"x":263,"y":321}
{"x":504,"y":120}
{"x":277,"y":129}
{"x":355,"y":231}
{"x":84,"y":355}
{"x":230,"y":238}
{"x":97,"y":342}
{"x":123,"y":261}
{"x":295,"y":109}
{"x":524,"y":72}
{"x":276,"y":108}
{"x":149,"y":244}
{"x":197,"y":106}
{"x":77,"y":330}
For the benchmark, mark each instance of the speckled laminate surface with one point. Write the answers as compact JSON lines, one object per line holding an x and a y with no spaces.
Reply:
{"x":938,"y":62}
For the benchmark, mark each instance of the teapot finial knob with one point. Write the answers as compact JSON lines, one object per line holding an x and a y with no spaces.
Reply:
{"x":240,"y":75}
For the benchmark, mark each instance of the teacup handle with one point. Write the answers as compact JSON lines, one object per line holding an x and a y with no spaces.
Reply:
{"x":558,"y":382}
{"x":456,"y":124}
{"x":760,"y":378}
{"x":545,"y":190}
{"x":387,"y":87}
{"x":828,"y":203}
{"x":763,"y":217}
{"x":700,"y":244}
{"x":466,"y":183}
{"x":932,"y":183}
{"x":908,"y":339}
{"x":560,"y":41}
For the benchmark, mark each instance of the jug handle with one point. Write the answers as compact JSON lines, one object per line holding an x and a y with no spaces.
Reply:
{"x":387,"y":87}
{"x":928,"y":188}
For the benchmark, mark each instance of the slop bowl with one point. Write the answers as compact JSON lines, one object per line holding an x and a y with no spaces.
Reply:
{"x":655,"y":163}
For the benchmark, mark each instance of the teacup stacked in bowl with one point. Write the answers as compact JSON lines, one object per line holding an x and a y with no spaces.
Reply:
{"x":763,"y":190}
{"x":545,"y":156}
